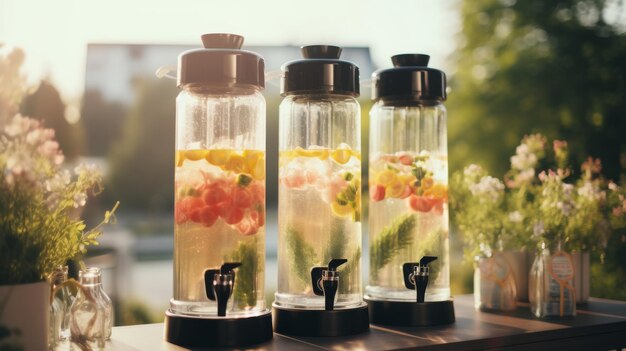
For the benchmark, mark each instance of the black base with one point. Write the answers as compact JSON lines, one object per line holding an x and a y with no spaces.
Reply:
{"x":340,"y":322}
{"x":410,"y":314}
{"x":189,"y":331}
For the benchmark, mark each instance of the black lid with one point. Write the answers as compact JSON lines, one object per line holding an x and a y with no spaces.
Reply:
{"x":409,"y":79}
{"x":221,"y":62}
{"x":321,"y":71}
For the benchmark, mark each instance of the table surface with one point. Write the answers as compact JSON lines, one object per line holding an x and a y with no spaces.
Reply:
{"x":599,"y":325}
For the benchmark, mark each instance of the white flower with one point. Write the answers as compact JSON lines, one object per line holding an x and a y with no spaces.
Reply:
{"x":472,"y":170}
{"x":523,"y":159}
{"x":20,"y":125}
{"x":591,"y":191}
{"x":489,"y":187}
{"x":515,"y":217}
{"x":613,"y":186}
{"x":80,"y":200}
{"x":59,"y":181}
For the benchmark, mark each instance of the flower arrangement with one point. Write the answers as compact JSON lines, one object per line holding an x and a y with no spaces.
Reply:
{"x":539,"y":203}
{"x":37,"y":194}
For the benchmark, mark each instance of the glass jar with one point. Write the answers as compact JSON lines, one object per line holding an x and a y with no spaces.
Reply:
{"x":60,"y":307}
{"x":551,"y":284}
{"x":91,"y":320}
{"x":494,"y":284}
{"x":408,"y":179}
{"x":219,"y":178}
{"x":319,"y":202}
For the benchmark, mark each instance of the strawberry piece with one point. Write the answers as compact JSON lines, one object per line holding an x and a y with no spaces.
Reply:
{"x":190,"y":203}
{"x":231,"y":215}
{"x":208,"y":215}
{"x":377,"y":192}
{"x":405,"y":159}
{"x":215,"y":195}
{"x":247,"y":227}
{"x":420,"y":203}
{"x":179,"y":215}
{"x":258,"y":217}
{"x":241,"y":198}
{"x":195,"y":215}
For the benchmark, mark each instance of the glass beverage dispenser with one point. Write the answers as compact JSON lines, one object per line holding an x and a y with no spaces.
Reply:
{"x":319,"y":204}
{"x":219,"y":232}
{"x":408,"y":188}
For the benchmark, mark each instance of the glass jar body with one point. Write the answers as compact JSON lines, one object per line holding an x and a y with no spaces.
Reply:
{"x":319,"y":203}
{"x":220,"y":197}
{"x":551,"y":284}
{"x":91,"y":320}
{"x":408,"y":187}
{"x":494,"y":284}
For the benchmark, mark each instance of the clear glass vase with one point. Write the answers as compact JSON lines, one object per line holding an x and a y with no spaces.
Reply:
{"x":59,"y":307}
{"x":551,"y":284}
{"x":494,"y":284}
{"x":91,"y":313}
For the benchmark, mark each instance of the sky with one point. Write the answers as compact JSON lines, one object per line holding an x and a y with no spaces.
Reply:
{"x":54,"y":34}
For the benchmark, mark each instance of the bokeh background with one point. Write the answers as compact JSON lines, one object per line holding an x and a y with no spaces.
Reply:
{"x":557,"y":67}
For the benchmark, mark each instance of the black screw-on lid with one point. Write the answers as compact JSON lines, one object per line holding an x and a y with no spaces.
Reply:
{"x":320,"y":71}
{"x":221,"y":63}
{"x":409,"y":79}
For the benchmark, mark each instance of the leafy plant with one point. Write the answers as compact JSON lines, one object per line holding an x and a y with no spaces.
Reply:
{"x":301,"y":254}
{"x":245,"y":283}
{"x":543,"y":204}
{"x":304,"y":258}
{"x":390,"y":241}
{"x":38,"y":199}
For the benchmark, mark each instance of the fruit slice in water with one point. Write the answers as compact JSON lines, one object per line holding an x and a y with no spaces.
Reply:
{"x":218,"y":157}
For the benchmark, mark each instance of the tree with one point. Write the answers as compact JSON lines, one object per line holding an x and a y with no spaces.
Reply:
{"x":45,"y":104}
{"x":555,"y":67}
{"x":142,"y":163}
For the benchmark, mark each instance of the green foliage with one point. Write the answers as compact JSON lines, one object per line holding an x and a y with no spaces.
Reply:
{"x":142,"y":163}
{"x":246,"y":277}
{"x":337,"y":246}
{"x":301,"y":254}
{"x":554,"y":67}
{"x":390,"y":241}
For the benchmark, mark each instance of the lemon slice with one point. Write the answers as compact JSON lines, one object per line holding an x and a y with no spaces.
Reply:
{"x":439,"y":191}
{"x":341,"y":156}
{"x":386,"y":177}
{"x":258,"y":172}
{"x":236,"y":163}
{"x":253,"y":158}
{"x":341,"y":210}
{"x":218,"y":157}
{"x":322,"y":154}
{"x":195,"y":155}
{"x":179,"y":158}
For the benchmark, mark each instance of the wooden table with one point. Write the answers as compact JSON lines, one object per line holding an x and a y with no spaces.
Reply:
{"x":599,"y":325}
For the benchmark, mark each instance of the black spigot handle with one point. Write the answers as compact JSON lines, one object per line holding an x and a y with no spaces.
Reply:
{"x":219,"y":284}
{"x":330,"y":291}
{"x":325,"y":281}
{"x":421,"y":282}
{"x":416,"y":276}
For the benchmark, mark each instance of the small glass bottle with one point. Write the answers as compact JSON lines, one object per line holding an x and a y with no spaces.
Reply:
{"x":91,"y":313}
{"x":60,"y":307}
{"x":551,"y":284}
{"x":494,"y":284}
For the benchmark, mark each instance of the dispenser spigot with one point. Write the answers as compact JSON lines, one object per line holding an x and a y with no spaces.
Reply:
{"x":416,"y":276}
{"x":219,"y":284}
{"x":325,"y":281}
